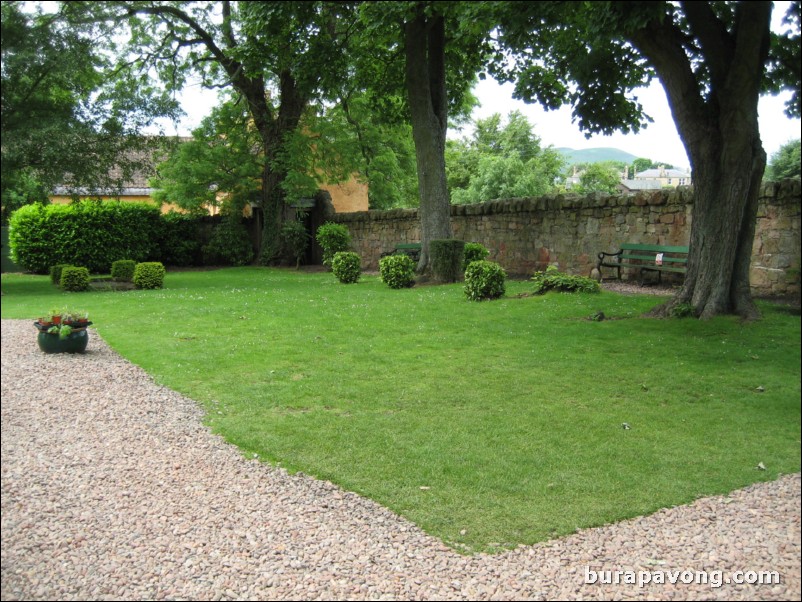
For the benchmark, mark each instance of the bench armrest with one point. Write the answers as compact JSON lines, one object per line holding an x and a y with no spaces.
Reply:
{"x":602,"y":255}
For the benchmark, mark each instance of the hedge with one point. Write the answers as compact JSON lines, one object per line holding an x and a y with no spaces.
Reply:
{"x":92,"y":234}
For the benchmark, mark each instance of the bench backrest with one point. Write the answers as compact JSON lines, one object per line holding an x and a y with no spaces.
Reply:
{"x":671,"y":254}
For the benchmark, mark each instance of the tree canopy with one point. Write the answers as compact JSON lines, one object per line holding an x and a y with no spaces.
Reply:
{"x":500,"y":161}
{"x":67,"y":118}
{"x":786,"y":162}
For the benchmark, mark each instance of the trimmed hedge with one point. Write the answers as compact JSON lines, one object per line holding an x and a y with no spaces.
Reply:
{"x":347,"y":267}
{"x":123,"y":270}
{"x":474,"y":251}
{"x":149,"y":275}
{"x":446,"y":259}
{"x":74,"y":279}
{"x":484,"y":280}
{"x":397,"y":271}
{"x":55,"y":273}
{"x":88,"y":233}
{"x":230,"y":244}
{"x":333,"y":238}
{"x":554,"y":280}
{"x":180,"y":240}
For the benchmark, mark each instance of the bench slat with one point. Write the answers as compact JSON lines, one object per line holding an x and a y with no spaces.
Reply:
{"x":625,"y":257}
{"x":654,"y":248}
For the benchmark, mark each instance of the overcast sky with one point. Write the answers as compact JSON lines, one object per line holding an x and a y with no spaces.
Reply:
{"x":659,"y":141}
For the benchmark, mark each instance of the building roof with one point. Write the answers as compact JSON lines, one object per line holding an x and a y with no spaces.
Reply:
{"x":651,"y":174}
{"x":113,"y":192}
{"x":641,"y":184}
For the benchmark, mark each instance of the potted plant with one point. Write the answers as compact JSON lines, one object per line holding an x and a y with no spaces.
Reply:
{"x":68,"y":334}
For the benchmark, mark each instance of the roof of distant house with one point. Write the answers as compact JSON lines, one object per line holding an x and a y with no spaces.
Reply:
{"x":138,"y":182}
{"x":641,"y":184}
{"x":650,"y":174}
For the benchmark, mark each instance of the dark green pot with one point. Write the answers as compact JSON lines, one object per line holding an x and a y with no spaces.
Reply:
{"x":75,"y":342}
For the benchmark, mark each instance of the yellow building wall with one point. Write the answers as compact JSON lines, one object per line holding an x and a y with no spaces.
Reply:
{"x":349,"y":196}
{"x":66,"y":200}
{"x":166,"y":208}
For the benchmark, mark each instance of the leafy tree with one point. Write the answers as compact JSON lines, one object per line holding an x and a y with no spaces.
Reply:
{"x":501,"y":161}
{"x":599,"y":177}
{"x":713,"y":59}
{"x":785,"y":163}
{"x":380,"y":150}
{"x":280,"y":58}
{"x":641,"y":164}
{"x":65,"y":120}
{"x":222,"y":162}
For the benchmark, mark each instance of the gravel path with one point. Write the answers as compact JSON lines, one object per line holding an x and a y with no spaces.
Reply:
{"x":114,"y":490}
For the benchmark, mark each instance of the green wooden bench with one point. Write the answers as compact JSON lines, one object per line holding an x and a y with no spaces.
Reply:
{"x":406,"y":248}
{"x":646,"y":258}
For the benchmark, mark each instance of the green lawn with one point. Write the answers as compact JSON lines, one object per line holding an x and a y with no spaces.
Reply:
{"x":488,"y":424}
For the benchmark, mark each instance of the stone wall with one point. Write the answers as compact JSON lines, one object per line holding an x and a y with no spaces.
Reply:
{"x":525,"y":235}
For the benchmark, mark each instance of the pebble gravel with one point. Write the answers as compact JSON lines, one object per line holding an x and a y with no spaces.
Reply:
{"x":113,"y":489}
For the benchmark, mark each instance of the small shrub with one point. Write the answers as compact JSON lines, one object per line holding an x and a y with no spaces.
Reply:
{"x":484,"y":280}
{"x":55,"y":273}
{"x":149,"y":275}
{"x":74,"y":279}
{"x":473,"y":251}
{"x":554,"y":280}
{"x":682,"y":310}
{"x":294,"y":240}
{"x":123,"y":270}
{"x":397,"y":271}
{"x":347,"y":267}
{"x":333,"y":238}
{"x":446,"y":257}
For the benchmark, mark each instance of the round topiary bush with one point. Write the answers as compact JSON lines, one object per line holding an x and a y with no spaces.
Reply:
{"x":484,"y":280}
{"x":74,"y":279}
{"x":397,"y":271}
{"x":333,"y":238}
{"x":149,"y":275}
{"x":347,"y":267}
{"x":473,"y":251}
{"x":55,"y":273}
{"x":123,"y":270}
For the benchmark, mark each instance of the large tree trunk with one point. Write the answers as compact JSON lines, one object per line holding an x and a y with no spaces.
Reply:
{"x":723,"y":227}
{"x":428,"y":104}
{"x":274,"y":133}
{"x":718,"y":123}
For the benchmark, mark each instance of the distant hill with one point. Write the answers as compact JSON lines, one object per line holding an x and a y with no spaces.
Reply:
{"x":595,"y":155}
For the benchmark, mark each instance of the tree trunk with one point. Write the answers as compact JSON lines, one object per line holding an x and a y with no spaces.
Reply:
{"x":723,"y":229}
{"x":717,"y":121}
{"x":428,"y":104}
{"x":274,"y":133}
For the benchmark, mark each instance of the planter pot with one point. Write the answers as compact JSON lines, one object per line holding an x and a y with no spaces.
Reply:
{"x":75,"y":342}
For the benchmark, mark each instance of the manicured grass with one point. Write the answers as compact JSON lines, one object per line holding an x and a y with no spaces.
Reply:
{"x":488,"y":424}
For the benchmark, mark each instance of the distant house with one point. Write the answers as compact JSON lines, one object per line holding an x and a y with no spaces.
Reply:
{"x":637,"y":185}
{"x":655,"y":179}
{"x":668,"y":178}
